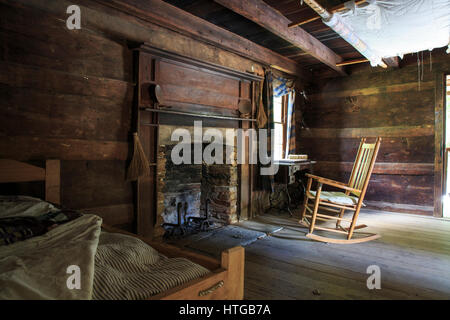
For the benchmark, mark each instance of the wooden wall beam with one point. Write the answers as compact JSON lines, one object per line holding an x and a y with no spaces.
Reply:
{"x":391,"y":168}
{"x":26,"y":148}
{"x":172,"y":29}
{"x":397,"y":131}
{"x":171,"y":17}
{"x":269,"y":18}
{"x":426,"y":85}
{"x":12,"y":171}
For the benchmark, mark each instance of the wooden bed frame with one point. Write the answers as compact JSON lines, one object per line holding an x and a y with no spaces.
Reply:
{"x":226,"y":280}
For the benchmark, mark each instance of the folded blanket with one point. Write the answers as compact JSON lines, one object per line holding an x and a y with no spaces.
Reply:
{"x":39,"y":267}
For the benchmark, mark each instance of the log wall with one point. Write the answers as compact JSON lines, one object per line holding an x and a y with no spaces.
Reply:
{"x":68,"y":94}
{"x":375,"y":102}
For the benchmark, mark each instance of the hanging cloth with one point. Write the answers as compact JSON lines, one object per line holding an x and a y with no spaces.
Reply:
{"x":282,"y":86}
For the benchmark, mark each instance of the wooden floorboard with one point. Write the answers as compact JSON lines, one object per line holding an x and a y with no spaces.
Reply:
{"x":413,"y":255}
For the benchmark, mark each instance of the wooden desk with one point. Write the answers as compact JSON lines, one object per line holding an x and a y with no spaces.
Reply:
{"x":286,"y":174}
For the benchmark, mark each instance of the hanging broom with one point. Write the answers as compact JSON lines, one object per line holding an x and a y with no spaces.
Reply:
{"x":139,"y":165}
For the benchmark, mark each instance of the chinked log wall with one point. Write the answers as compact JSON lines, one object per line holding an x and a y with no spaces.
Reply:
{"x":67,"y":94}
{"x":387,"y":103}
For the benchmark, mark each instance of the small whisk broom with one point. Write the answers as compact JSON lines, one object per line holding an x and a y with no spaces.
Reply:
{"x":139,"y":165}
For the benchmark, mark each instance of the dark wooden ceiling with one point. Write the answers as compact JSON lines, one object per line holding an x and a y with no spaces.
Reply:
{"x":293,"y":10}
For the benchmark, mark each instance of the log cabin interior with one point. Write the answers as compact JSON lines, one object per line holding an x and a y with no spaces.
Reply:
{"x":326,"y":123}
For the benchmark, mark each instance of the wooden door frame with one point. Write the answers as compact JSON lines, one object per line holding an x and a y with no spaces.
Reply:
{"x":445,"y":171}
{"x":439,"y":141}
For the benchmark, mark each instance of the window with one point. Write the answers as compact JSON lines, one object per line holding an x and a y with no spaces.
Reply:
{"x":279,"y":119}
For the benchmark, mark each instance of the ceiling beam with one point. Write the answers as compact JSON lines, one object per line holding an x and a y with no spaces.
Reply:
{"x":296,"y":55}
{"x":267,"y":17}
{"x":173,"y":18}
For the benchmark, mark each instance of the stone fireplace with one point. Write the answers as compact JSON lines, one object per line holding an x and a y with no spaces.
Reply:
{"x":186,"y":190}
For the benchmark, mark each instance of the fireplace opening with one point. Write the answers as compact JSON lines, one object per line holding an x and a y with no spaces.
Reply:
{"x":195,"y":197}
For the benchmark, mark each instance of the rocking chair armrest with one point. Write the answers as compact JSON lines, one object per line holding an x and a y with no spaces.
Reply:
{"x":332,"y":183}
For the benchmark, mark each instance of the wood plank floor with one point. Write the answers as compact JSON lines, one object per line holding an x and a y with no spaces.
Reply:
{"x":413,"y":255}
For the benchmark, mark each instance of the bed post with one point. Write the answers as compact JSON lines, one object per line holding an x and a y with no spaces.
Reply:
{"x":233,"y":262}
{"x":53,"y":181}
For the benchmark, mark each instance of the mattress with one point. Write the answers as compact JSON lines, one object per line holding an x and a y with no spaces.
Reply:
{"x":110,"y":265}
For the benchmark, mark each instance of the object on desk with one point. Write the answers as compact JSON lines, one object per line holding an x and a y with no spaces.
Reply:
{"x":291,"y":161}
{"x":339,"y":202}
{"x":298,"y":157}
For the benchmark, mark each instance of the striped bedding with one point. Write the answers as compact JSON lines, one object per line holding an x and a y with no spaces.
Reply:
{"x":127,"y":268}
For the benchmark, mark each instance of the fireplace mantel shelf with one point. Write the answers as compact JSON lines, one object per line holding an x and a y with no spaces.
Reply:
{"x":197,"y":114}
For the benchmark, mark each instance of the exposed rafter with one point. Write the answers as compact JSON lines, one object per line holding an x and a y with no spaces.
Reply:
{"x":349,"y":62}
{"x":269,"y":18}
{"x":392,"y":62}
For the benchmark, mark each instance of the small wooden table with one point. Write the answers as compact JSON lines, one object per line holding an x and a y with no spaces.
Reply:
{"x":287,"y":170}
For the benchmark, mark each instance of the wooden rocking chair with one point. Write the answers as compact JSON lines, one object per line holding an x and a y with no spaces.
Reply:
{"x":339,"y":202}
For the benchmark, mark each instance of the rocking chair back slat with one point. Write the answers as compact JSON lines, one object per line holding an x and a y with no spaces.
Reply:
{"x":360,"y":169}
{"x":365,"y":167}
{"x":363,"y":164}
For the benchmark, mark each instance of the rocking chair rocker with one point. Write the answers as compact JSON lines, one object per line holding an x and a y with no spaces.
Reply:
{"x":339,"y":202}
